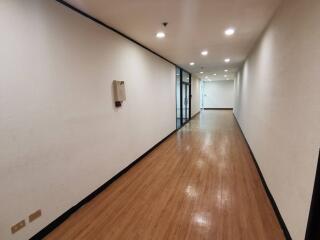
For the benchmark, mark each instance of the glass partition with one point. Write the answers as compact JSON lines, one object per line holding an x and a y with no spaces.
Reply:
{"x":178,"y":97}
{"x":183,"y":94}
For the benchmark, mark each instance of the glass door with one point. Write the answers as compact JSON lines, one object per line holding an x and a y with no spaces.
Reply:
{"x":178,"y":97}
{"x":185,"y":102}
{"x":183,"y":96}
{"x":186,"y":79}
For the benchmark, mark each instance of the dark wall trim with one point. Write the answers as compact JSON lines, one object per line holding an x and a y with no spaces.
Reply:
{"x":272,"y":201}
{"x":181,"y":99}
{"x":49,"y":228}
{"x":196,"y":114}
{"x":218,"y":108}
{"x":115,"y":30}
{"x":190,"y":96}
{"x":181,"y":83}
{"x":313,"y":226}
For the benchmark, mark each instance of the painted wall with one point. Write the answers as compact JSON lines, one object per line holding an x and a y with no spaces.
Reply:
{"x":60,"y":135}
{"x":195,"y":100}
{"x":278,"y":107}
{"x":218,"y":94}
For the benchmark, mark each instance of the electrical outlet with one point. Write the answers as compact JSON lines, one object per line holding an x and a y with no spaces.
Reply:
{"x":15,"y":228}
{"x":35,"y":215}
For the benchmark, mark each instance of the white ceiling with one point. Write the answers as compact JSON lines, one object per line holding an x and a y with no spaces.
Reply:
{"x":193,"y":25}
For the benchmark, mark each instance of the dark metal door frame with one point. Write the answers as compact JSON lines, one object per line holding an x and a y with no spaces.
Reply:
{"x":181,"y":96}
{"x":186,"y":107}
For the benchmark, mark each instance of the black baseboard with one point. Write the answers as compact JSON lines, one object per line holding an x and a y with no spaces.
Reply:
{"x":218,"y":108}
{"x":313,"y":232}
{"x":49,"y":228}
{"x":272,"y":201}
{"x":195,"y":115}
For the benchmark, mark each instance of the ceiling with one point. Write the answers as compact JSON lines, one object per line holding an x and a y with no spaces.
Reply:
{"x":193,"y":25}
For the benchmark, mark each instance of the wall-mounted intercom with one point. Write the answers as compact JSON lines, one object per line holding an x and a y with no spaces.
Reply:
{"x":119,"y":92}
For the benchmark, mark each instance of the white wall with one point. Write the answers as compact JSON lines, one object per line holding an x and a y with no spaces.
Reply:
{"x":195,"y":100}
{"x":278,"y":107}
{"x":218,"y":94}
{"x":60,"y":135}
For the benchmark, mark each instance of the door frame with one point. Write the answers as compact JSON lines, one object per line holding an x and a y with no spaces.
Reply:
{"x":181,"y":98}
{"x":184,"y":110}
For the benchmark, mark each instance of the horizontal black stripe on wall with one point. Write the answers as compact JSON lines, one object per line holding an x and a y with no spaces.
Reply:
{"x":116,"y":31}
{"x":218,"y":108}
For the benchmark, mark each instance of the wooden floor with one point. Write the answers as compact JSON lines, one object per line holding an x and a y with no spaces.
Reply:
{"x":201,"y":183}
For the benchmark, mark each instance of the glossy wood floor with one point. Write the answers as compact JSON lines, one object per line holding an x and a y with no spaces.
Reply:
{"x":201,"y":183}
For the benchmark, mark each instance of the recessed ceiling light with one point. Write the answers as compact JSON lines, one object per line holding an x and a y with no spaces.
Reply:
{"x":160,"y":35}
{"x":226,"y":70}
{"x":227,"y":60}
{"x":215,"y":74}
{"x":204,"y":53}
{"x":225,"y":76}
{"x":229,"y":31}
{"x":201,"y":72}
{"x":192,"y":63}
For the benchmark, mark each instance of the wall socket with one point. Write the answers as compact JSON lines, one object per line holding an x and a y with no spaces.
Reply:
{"x":15,"y":228}
{"x":35,"y":215}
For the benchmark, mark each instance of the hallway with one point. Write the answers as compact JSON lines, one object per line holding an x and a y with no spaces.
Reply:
{"x":201,"y":183}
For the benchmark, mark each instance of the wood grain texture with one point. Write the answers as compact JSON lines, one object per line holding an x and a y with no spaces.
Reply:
{"x":201,"y":183}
